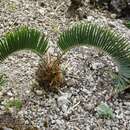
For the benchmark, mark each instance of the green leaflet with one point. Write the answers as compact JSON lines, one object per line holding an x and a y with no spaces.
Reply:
{"x":22,"y":38}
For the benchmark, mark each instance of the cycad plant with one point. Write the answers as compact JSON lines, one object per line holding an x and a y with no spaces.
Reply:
{"x":49,"y":72}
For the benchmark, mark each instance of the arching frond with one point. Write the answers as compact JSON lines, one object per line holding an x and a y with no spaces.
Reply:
{"x":100,"y":37}
{"x":22,"y":38}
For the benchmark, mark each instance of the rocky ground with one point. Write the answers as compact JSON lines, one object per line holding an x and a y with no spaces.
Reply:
{"x":120,"y":7}
{"x":88,"y":80}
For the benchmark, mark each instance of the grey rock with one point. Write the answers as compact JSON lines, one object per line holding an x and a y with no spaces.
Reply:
{"x":118,"y":5}
{"x":121,"y":7}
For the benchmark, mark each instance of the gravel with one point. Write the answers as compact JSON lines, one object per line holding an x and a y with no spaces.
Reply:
{"x":88,"y":80}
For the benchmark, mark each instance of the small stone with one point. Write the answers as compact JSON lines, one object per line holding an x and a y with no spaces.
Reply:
{"x":59,"y":122}
{"x":12,"y":110}
{"x":63,"y":101}
{"x":127,"y":103}
{"x":5,"y":128}
{"x":96,"y":66}
{"x":64,"y":108}
{"x":42,"y":4}
{"x":1,"y":94}
{"x":119,"y":115}
{"x":112,"y":24}
{"x":39,"y":92}
{"x":113,"y":16}
{"x":41,"y":11}
{"x":90,"y":18}
{"x":15,"y":1}
{"x":127,"y":113}
{"x":89,"y":106}
{"x":2,"y":108}
{"x":10,"y":94}
{"x":21,"y":113}
{"x":26,"y":122}
{"x":108,"y":122}
{"x":27,"y":91}
{"x":87,"y":1}
{"x":51,"y":50}
{"x":71,"y":82}
{"x":115,"y":128}
{"x":127,"y":117}
{"x":53,"y":121}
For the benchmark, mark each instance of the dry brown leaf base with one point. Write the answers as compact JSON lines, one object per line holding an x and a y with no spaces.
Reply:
{"x":49,"y":74}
